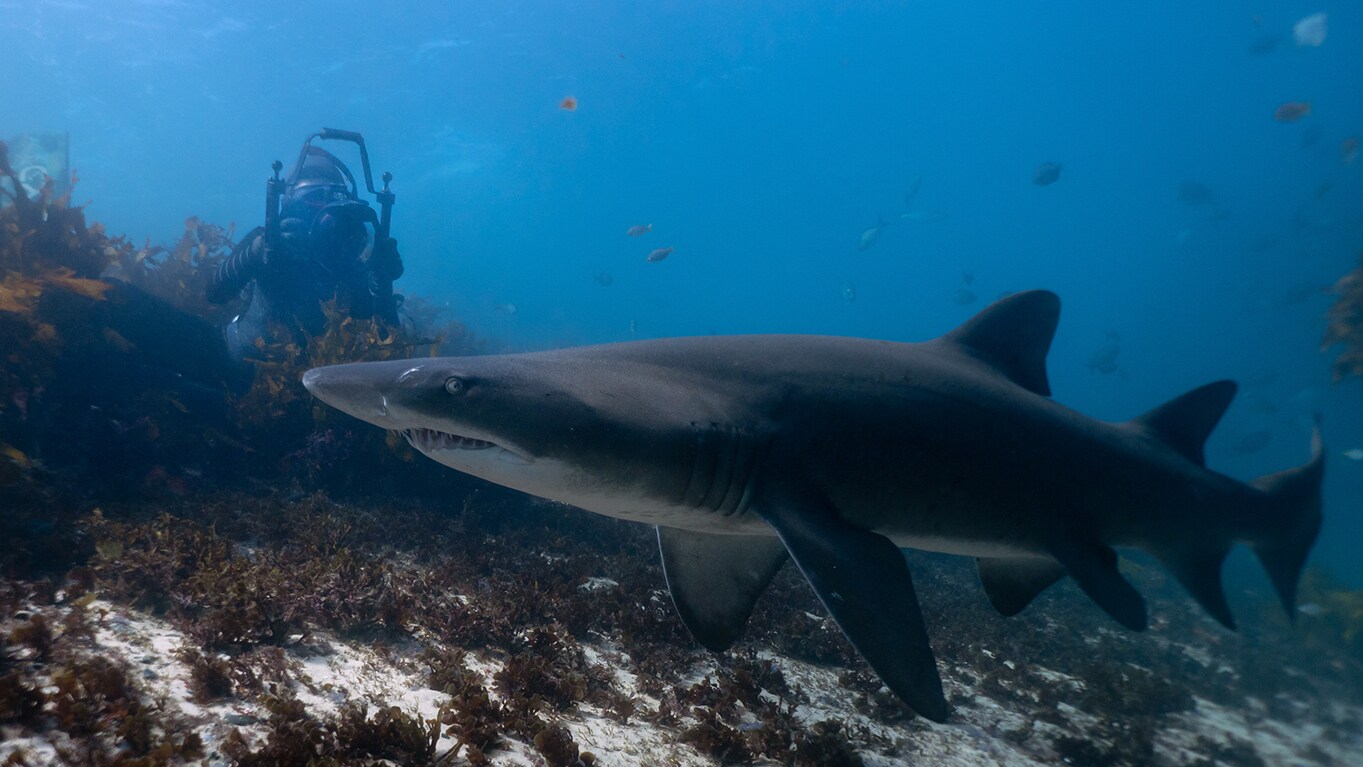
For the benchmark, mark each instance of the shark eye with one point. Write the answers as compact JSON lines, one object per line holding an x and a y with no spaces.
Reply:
{"x":455,"y":385}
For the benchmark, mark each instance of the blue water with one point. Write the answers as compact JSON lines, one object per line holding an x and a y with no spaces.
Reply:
{"x":760,"y":142}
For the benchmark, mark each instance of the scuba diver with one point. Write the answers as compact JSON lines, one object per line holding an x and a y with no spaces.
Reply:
{"x":319,"y":241}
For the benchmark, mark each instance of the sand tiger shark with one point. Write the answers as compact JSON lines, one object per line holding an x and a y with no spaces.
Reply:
{"x":838,"y":452}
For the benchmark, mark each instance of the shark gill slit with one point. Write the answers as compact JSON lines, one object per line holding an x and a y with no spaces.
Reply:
{"x":703,"y":468}
{"x":723,"y":471}
{"x":726,"y":456}
{"x":748,"y":458}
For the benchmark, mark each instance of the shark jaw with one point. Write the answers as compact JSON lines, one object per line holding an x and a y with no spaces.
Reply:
{"x":748,"y":451}
{"x":458,"y":451}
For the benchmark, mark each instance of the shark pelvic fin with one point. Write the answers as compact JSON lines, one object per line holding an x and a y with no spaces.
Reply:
{"x":1013,"y":334}
{"x":1185,"y":422}
{"x":1094,"y":567}
{"x":864,"y":582}
{"x":716,"y":579}
{"x":1011,"y":583}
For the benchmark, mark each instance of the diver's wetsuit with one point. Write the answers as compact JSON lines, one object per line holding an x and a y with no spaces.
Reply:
{"x":291,"y":287}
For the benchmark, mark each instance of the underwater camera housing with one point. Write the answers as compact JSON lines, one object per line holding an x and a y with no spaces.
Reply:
{"x":276,"y":187}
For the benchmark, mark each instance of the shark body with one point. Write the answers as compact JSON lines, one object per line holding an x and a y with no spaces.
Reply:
{"x":837,"y":452}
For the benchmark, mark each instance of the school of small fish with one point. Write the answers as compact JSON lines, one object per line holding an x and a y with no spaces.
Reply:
{"x":1307,"y":32}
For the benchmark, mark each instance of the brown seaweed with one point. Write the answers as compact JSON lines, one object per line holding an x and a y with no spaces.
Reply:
{"x":1345,"y":324}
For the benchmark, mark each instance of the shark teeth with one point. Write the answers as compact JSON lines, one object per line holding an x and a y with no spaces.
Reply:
{"x":430,"y":439}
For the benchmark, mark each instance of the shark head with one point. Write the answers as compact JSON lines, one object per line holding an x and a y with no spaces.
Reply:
{"x":553,"y":426}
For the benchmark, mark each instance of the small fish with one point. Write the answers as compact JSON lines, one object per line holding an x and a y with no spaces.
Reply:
{"x":569,"y":103}
{"x":1252,"y":442}
{"x":1310,"y":31}
{"x":1258,"y":403}
{"x":1264,"y":45}
{"x":1291,"y":111}
{"x":604,"y":279}
{"x":1195,"y":193}
{"x":1324,"y":188}
{"x":507,"y":309}
{"x":1265,"y":244}
{"x":15,"y":456}
{"x":923,"y":215}
{"x":639,"y":229}
{"x":1046,"y":173}
{"x":963,"y":296}
{"x":20,"y":399}
{"x":1354,"y":454}
{"x":1311,"y":609}
{"x":1295,"y":295}
{"x":914,"y":185}
{"x":1348,"y":149}
{"x":659,"y":254}
{"x":116,"y":340}
{"x":967,"y":277}
{"x":1104,"y":360}
{"x":849,"y":292}
{"x":870,"y":234}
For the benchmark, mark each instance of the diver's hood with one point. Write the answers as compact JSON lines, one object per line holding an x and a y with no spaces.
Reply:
{"x":321,"y":192}
{"x":318,"y":167}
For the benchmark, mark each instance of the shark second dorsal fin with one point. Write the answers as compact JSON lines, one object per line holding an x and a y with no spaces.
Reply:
{"x":1013,"y":335}
{"x":1185,"y":422}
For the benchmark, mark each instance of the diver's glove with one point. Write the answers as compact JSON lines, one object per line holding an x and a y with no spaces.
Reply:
{"x":292,"y":244}
{"x":384,"y":262}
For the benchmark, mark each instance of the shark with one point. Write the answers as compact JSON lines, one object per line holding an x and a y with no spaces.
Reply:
{"x":745,"y":451}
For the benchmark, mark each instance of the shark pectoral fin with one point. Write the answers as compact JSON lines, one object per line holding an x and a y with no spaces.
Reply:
{"x":716,"y":579}
{"x":863,"y":581}
{"x":1011,"y":583}
{"x":1094,"y":567}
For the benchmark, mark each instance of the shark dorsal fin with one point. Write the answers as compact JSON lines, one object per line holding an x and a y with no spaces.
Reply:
{"x":1013,"y":335}
{"x":1185,"y":422}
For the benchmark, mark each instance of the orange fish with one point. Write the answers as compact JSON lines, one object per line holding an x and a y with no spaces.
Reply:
{"x":569,"y":103}
{"x":659,"y":254}
{"x":1291,"y":111}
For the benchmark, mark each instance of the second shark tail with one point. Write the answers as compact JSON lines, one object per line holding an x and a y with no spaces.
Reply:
{"x":1292,"y":522}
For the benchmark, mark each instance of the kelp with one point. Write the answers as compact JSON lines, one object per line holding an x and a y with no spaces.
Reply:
{"x":1345,"y":324}
{"x":115,"y":383}
{"x":46,"y":251}
{"x":1331,"y":618}
{"x":171,"y":413}
{"x":180,"y":274}
{"x":310,"y":441}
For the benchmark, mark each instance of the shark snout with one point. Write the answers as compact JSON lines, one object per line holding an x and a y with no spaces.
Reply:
{"x":351,"y":391}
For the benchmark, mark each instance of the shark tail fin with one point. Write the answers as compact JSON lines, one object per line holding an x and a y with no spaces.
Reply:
{"x":1292,"y":522}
